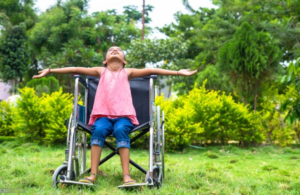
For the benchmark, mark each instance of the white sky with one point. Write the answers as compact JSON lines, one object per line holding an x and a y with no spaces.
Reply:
{"x":163,"y":12}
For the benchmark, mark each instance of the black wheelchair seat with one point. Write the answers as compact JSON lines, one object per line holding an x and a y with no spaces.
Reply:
{"x":88,"y":129}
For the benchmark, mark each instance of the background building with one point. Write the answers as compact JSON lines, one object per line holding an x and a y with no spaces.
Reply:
{"x":5,"y":89}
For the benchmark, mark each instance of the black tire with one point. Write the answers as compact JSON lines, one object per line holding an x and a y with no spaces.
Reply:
{"x":60,"y":171}
{"x":80,"y":146}
{"x":162,"y":152}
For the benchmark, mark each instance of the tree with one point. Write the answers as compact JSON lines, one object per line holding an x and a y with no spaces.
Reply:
{"x":67,"y":21}
{"x":164,"y":54}
{"x":249,"y":58}
{"x":14,"y":55}
{"x":46,"y":85}
{"x":66,"y":35}
{"x":19,"y":11}
{"x":279,"y":18}
{"x":205,"y":31}
{"x":16,"y":17}
{"x":209,"y":29}
{"x":132,"y":13}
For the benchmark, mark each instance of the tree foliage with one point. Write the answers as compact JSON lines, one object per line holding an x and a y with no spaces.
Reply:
{"x":16,"y":17}
{"x":153,"y":51}
{"x":249,"y":58}
{"x":292,"y":81}
{"x":163,"y":53}
{"x":209,"y":29}
{"x":14,"y":54}
{"x":132,"y":13}
{"x":18,"y":11}
{"x":66,"y":35}
{"x":66,"y":30}
{"x":46,"y":85}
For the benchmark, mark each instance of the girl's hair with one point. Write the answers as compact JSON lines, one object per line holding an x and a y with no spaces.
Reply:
{"x":106,"y":55}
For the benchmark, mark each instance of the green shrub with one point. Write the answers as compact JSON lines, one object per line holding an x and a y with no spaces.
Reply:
{"x":41,"y":119}
{"x":204,"y":115}
{"x":46,"y":85}
{"x":59,"y":107}
{"x":179,"y":127}
{"x":30,"y":117}
{"x":275,"y":129}
{"x":6,"y":138}
{"x":6,"y":119}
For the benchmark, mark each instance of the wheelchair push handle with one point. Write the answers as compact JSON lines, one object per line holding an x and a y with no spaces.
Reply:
{"x":81,"y":80}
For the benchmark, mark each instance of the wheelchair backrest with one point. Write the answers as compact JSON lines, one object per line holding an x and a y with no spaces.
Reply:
{"x":140,"y":96}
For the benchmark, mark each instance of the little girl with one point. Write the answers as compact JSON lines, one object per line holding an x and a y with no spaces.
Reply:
{"x":113,"y":111}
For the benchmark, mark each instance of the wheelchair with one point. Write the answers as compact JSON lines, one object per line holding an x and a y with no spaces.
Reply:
{"x":151,"y":120}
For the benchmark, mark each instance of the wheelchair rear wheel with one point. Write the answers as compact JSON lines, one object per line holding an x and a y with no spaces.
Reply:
{"x":80,"y":147}
{"x":162,"y":152}
{"x":60,"y":174}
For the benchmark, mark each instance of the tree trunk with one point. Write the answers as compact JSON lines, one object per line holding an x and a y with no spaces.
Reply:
{"x":143,"y":21}
{"x":255,"y":95}
{"x":170,"y":90}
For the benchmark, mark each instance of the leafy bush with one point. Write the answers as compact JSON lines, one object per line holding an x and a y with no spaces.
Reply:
{"x":204,"y":115}
{"x":30,"y":117}
{"x":41,"y":119}
{"x":6,"y":119}
{"x":292,"y":103}
{"x":179,"y":127}
{"x":46,"y":85}
{"x":59,"y":107}
{"x":276,"y":130}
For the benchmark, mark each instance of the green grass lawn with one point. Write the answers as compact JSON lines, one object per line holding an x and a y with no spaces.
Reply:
{"x":213,"y":170}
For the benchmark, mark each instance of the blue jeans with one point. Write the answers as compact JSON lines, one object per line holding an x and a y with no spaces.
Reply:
{"x":118,"y":127}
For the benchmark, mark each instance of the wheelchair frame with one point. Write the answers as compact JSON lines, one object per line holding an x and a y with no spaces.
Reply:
{"x":74,"y":165}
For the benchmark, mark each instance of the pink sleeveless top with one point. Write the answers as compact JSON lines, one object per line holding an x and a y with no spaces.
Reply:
{"x":113,"y":97}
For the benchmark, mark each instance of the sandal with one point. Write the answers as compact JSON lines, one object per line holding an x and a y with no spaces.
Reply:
{"x":129,"y":181}
{"x":87,"y":180}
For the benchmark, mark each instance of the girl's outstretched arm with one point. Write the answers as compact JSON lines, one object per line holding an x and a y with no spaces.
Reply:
{"x":95,"y":71}
{"x":133,"y":73}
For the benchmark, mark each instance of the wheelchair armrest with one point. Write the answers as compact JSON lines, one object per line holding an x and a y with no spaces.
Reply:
{"x":85,"y":127}
{"x":81,"y":80}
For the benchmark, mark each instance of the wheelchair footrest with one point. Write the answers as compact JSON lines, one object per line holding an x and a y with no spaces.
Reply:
{"x":133,"y":185}
{"x":75,"y":182}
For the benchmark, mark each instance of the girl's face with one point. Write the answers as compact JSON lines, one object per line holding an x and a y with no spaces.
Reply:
{"x":115,"y":53}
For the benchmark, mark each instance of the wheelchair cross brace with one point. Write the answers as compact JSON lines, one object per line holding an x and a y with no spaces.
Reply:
{"x":115,"y":151}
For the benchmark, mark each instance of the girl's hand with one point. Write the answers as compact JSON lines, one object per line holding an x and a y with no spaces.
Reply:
{"x":42,"y":73}
{"x":186,"y":72}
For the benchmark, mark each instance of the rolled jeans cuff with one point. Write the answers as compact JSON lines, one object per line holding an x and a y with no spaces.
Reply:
{"x":96,"y":141}
{"x":123,"y":144}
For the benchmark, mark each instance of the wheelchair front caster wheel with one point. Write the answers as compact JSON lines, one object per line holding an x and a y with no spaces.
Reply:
{"x":157,"y":178}
{"x":59,"y":175}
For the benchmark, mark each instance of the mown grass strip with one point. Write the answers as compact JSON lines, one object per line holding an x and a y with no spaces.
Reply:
{"x":256,"y":170}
